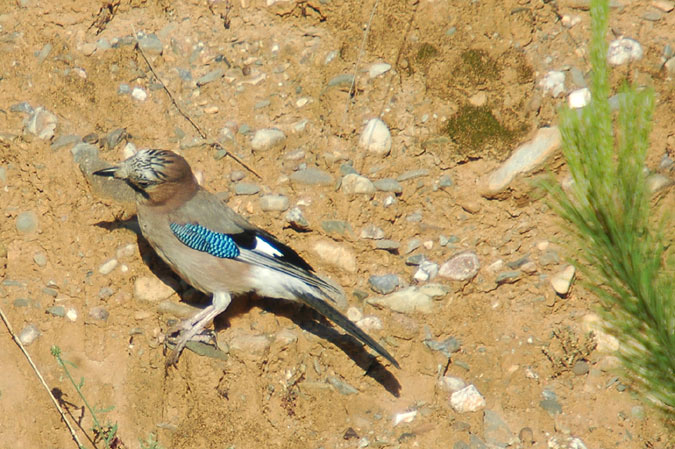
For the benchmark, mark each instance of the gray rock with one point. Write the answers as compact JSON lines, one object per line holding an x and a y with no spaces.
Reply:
{"x":103,"y":44}
{"x":415,"y":260}
{"x":462,"y":267}
{"x":21,"y":302}
{"x":357,"y":184}
{"x":337,"y":227}
{"x":405,"y":301}
{"x":41,"y":123}
{"x":296,"y":219}
{"x":376,"y":137}
{"x":383,"y":284}
{"x":445,"y":181}
{"x":27,"y":222}
{"x":347,"y":169}
{"x":266,"y":139}
{"x":508,"y":277}
{"x":23,"y":107}
{"x":525,"y":158}
{"x":123,"y":89}
{"x":477,"y":443}
{"x":341,"y":386}
{"x":237,"y":175}
{"x":150,"y":44}
{"x":341,"y":80}
{"x":378,"y":69}
{"x":3,"y":175}
{"x":99,"y":313}
{"x":412,"y":245}
{"x":388,"y":245}
{"x":50,"y":292}
{"x":388,"y":185}
{"x":427,"y":270}
{"x":372,"y":232}
{"x":580,"y":368}
{"x":550,"y":402}
{"x":29,"y":334}
{"x":105,"y":293}
{"x":415,"y":217}
{"x":245,"y":188}
{"x":496,"y":431}
{"x":213,"y":75}
{"x":114,"y":137}
{"x":554,"y":81}
{"x":58,"y":311}
{"x":446,"y":347}
{"x":412,"y":174}
{"x":65,"y":141}
{"x":274,"y":202}
{"x":40,"y":259}
{"x":312,"y":176}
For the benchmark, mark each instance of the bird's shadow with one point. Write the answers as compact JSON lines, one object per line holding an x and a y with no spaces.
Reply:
{"x":304,"y":317}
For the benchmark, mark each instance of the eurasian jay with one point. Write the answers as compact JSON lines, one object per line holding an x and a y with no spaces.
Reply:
{"x":218,"y":251}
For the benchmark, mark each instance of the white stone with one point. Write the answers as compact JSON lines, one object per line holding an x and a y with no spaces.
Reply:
{"x":274,"y":203}
{"x":354,"y":314}
{"x":562,"y":281}
{"x":405,"y":301}
{"x":404,"y":417}
{"x":139,"y":94}
{"x":151,"y":289}
{"x":624,"y":50}
{"x":579,"y":98}
{"x":336,"y":254}
{"x":378,"y":69}
{"x":357,"y":184}
{"x":376,"y":137}
{"x":569,"y":21}
{"x":29,"y":334}
{"x":554,"y":81}
{"x":108,"y":266}
{"x":41,"y":123}
{"x":468,"y":399}
{"x":129,"y":150}
{"x":370,"y":323}
{"x":266,"y":139}
{"x":71,"y":314}
{"x":451,"y":384}
{"x":606,"y":343}
{"x":127,"y":250}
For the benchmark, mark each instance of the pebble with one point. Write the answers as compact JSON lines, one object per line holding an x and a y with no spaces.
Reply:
{"x":383,"y":284}
{"x":581,"y":367}
{"x":27,"y":222}
{"x":412,"y":245}
{"x":40,"y":259}
{"x":554,"y":81}
{"x":412,"y":174}
{"x":415,"y":260}
{"x":551,"y":405}
{"x":445,"y":347}
{"x":23,"y":107}
{"x":344,"y":79}
{"x":250,"y":344}
{"x":624,"y":50}
{"x":339,"y":227}
{"x":388,"y":185}
{"x":427,"y":270}
{"x":138,"y":93}
{"x":268,"y":138}
{"x":653,"y":16}
{"x":336,"y":254}
{"x":29,"y":334}
{"x":114,"y":137}
{"x":451,"y":384}
{"x":58,"y":311}
{"x":105,"y":293}
{"x":213,"y":75}
{"x":354,"y":314}
{"x":468,"y":399}
{"x":526,"y":436}
{"x":41,"y":123}
{"x":356,"y":184}
{"x":405,"y":301}
{"x":370,"y":323}
{"x":562,"y":280}
{"x":274,"y":202}
{"x":108,"y":266}
{"x":496,"y":432}
{"x":606,"y":343}
{"x":99,"y":313}
{"x":372,"y":232}
{"x":150,"y":44}
{"x":405,"y":417}
{"x":125,"y":251}
{"x":123,"y":89}
{"x":579,"y":98}
{"x":341,"y":386}
{"x":376,"y":137}
{"x":445,"y":181}
{"x":245,"y":188}
{"x":478,"y":99}
{"x":151,"y":289}
{"x":388,"y":245}
{"x":664,"y":5}
{"x":296,"y":219}
{"x":462,"y":267}
{"x":65,"y":141}
{"x":508,"y":277}
{"x":312,"y":176}
{"x":378,"y":69}
{"x":525,"y":158}
{"x":3,"y":175}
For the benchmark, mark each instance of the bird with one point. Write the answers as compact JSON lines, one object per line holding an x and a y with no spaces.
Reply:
{"x":218,"y":251}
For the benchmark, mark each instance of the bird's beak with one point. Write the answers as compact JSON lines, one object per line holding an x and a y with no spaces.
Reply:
{"x":111,"y":172}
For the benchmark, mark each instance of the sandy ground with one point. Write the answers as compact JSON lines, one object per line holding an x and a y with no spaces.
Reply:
{"x":277,"y":63}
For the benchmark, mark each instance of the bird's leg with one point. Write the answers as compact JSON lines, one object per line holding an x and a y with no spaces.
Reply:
{"x":193,"y":326}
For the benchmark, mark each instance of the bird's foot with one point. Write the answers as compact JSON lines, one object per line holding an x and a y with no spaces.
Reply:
{"x":179,"y":337}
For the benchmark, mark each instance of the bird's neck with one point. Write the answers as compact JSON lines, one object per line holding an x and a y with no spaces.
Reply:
{"x":168,"y":195}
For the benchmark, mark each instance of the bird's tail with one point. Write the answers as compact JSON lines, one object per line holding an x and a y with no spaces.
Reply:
{"x":330,"y":312}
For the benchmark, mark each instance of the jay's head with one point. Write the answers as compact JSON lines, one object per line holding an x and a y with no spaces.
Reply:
{"x":149,"y":170}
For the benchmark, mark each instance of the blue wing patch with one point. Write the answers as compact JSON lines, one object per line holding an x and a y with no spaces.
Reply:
{"x":202,"y":239}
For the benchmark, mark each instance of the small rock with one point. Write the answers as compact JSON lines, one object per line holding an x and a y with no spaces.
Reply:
{"x":151,"y":289}
{"x":372,"y":232}
{"x":478,"y":99}
{"x":105,"y":293}
{"x":39,"y":258}
{"x":554,"y":81}
{"x":336,"y":254}
{"x":138,"y":93}
{"x":388,"y":185}
{"x":413,"y":244}
{"x":354,"y":314}
{"x":312,"y":176}
{"x":357,"y":184}
{"x":656,"y":182}
{"x":378,"y":69}
{"x":41,"y":123}
{"x":412,"y":174}
{"x":125,"y":251}
{"x":250,"y":344}
{"x":108,"y":266}
{"x":580,"y":368}
{"x":446,"y":347}
{"x":29,"y":334}
{"x":150,"y":44}
{"x":341,"y":386}
{"x":664,"y":5}
{"x":99,"y":313}
{"x":213,"y":75}
{"x":65,"y":141}
{"x":405,"y":301}
{"x":427,"y":270}
{"x":404,"y":417}
{"x":296,"y":219}
{"x":337,"y":227}
{"x":495,"y":430}
{"x":273,"y":202}
{"x":526,"y":436}
{"x":58,"y":311}
{"x":376,"y":137}
{"x":383,"y":284}
{"x":606,"y":343}
{"x":462,"y":267}
{"x":285,"y":337}
{"x":551,"y":405}
{"x":341,"y":80}
{"x":579,"y":98}
{"x":468,"y":399}
{"x":27,"y":222}
{"x":245,"y":188}
{"x":266,"y":139}
{"x":624,"y":50}
{"x":388,"y":245}
{"x":451,"y":384}
{"x":652,"y":16}
{"x":562,"y":281}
